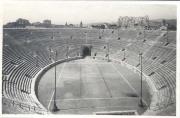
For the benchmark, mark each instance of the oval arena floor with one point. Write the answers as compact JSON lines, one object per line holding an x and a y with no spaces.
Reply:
{"x":88,"y":86}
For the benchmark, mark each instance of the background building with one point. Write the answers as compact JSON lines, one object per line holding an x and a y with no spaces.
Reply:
{"x":81,"y":24}
{"x":47,"y":23}
{"x":19,"y":23}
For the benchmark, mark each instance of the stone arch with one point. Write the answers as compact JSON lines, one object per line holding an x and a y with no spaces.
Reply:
{"x":86,"y":50}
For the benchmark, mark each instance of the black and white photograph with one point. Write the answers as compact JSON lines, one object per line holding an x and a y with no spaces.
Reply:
{"x":89,"y":58}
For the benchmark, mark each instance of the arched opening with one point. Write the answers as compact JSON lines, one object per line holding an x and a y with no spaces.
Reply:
{"x":86,"y":51}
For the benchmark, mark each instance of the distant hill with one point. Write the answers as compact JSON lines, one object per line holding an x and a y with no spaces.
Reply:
{"x":171,"y":23}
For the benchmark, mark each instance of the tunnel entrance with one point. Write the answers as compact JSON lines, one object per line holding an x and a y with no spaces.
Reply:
{"x":86,"y":50}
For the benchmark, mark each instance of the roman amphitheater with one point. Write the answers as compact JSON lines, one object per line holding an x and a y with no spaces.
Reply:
{"x":89,"y":71}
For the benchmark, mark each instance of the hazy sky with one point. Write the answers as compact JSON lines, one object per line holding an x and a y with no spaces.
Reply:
{"x":88,"y":12}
